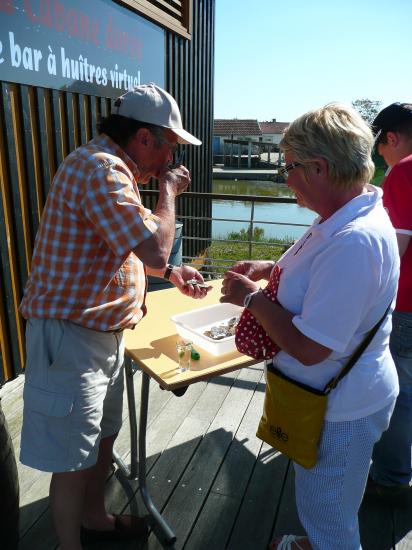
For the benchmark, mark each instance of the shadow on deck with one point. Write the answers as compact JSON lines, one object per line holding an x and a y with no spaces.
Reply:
{"x":216,"y":484}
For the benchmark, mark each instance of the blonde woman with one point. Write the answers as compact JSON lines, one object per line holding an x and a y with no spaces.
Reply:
{"x":335,"y":285}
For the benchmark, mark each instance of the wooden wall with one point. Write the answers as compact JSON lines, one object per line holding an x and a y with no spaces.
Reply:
{"x":190,"y":77}
{"x":39,"y":127}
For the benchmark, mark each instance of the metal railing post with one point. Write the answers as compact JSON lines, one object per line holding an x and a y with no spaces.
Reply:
{"x":252,"y":216}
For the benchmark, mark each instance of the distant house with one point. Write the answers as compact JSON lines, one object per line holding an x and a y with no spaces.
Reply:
{"x":246,"y":130}
{"x":236,"y":129}
{"x":272,"y":130}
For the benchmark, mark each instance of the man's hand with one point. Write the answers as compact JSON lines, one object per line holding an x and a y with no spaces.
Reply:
{"x":174,"y":180}
{"x":235,"y":287}
{"x":155,"y":250}
{"x":254,"y":270}
{"x":180,"y":276}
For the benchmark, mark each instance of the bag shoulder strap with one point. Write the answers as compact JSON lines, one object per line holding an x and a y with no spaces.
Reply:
{"x":356,"y":354}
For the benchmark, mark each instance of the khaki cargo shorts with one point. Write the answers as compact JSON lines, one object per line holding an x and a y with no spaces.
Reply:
{"x":73,"y":394}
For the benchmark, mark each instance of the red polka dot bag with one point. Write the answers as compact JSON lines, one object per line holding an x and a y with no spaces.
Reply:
{"x":251,"y":338}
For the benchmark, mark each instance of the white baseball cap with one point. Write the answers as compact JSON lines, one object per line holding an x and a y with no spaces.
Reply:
{"x":150,"y":103}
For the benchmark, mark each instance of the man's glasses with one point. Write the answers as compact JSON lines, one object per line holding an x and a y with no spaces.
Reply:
{"x":178,"y":160}
{"x":288,"y":168}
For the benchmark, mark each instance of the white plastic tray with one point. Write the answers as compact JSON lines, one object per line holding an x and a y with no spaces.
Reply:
{"x":193,"y":324}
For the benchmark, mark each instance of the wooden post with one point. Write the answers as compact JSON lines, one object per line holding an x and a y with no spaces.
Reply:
{"x":268,"y":152}
{"x":249,"y":154}
{"x":239,"y":154}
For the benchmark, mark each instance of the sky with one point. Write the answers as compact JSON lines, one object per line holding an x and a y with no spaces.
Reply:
{"x":278,"y":59}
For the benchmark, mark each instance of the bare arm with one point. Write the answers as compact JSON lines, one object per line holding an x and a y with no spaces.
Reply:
{"x":155,"y":251}
{"x":278,"y":324}
{"x":276,"y":320}
{"x":255,"y":270}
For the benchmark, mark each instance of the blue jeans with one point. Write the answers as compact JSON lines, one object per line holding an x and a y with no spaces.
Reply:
{"x":392,"y":455}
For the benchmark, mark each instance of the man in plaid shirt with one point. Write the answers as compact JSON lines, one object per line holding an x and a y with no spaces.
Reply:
{"x":95,"y":245}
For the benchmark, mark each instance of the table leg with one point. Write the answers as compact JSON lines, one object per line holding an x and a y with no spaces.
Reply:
{"x":131,"y":472}
{"x":147,"y":499}
{"x":138,"y":464}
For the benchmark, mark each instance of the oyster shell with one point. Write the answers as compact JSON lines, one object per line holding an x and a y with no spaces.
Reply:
{"x":223,"y":330}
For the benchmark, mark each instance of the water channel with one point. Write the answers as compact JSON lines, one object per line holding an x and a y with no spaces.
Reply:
{"x":285,"y":213}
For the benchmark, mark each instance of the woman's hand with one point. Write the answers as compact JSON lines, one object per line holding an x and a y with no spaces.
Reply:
{"x":180,"y":277}
{"x":254,"y":270}
{"x":235,"y":287}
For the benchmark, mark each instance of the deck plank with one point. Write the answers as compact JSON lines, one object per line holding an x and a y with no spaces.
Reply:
{"x":121,"y":493}
{"x":215,"y":522}
{"x":168,"y":470}
{"x":7,"y":391}
{"x":256,"y":517}
{"x":165,"y":474}
{"x":218,"y":485}
{"x":287,"y":520}
{"x":189,"y":496}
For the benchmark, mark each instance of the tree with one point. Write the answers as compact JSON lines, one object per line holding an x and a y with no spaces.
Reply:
{"x":367,"y":108}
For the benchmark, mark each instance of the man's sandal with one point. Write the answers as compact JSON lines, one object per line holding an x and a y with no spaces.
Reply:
{"x":288,"y":542}
{"x":126,"y":527}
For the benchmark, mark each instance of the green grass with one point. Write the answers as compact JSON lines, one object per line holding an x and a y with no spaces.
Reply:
{"x":261,"y":249}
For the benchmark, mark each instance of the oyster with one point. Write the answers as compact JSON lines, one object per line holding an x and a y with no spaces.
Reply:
{"x":195,"y":282}
{"x":224,"y":330}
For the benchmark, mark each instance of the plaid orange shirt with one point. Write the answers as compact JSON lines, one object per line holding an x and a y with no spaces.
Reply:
{"x":83,"y":267}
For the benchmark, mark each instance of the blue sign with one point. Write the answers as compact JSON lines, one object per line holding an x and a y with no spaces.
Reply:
{"x":95,"y":47}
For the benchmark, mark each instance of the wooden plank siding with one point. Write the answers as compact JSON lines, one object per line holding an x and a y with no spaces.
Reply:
{"x":39,"y":127}
{"x":174,"y":15}
{"x":190,"y":78}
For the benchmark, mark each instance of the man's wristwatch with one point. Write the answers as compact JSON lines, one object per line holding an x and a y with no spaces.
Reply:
{"x":248,"y":299}
{"x":168,"y":272}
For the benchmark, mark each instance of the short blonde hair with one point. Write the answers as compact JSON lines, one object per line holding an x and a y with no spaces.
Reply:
{"x":338,"y":134}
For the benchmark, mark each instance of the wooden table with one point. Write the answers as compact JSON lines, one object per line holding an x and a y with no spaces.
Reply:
{"x":152,"y":346}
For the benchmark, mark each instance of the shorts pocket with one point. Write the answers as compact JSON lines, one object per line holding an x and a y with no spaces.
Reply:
{"x":47,"y":425}
{"x":48,"y":403}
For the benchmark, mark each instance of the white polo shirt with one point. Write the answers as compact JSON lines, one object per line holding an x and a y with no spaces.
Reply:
{"x":338,"y":280}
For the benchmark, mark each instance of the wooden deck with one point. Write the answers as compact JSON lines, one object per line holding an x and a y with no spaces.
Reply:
{"x":214,"y":481}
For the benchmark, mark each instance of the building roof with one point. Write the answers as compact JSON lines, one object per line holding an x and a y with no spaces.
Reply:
{"x":247,"y":127}
{"x":273,"y":127}
{"x":235,"y":126}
